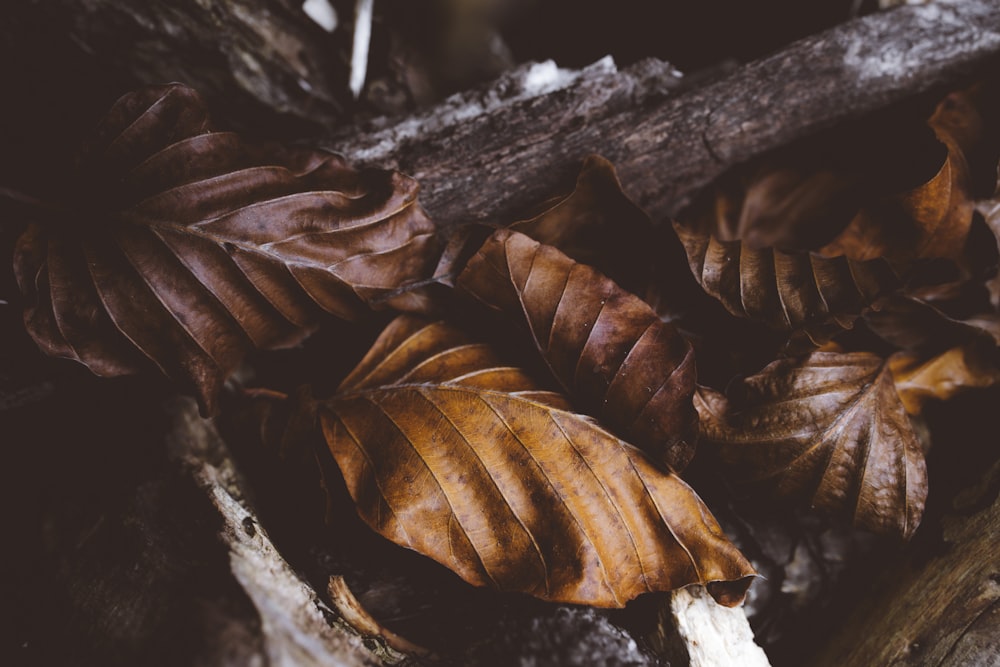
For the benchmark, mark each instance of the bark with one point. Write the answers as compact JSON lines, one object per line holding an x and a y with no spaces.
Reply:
{"x":492,"y":154}
{"x":483,"y":156}
{"x":261,"y":63}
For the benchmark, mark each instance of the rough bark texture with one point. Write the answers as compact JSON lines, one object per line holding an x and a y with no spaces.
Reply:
{"x":943,"y":610}
{"x":258,"y":61}
{"x":491,"y":154}
{"x":480,"y":157}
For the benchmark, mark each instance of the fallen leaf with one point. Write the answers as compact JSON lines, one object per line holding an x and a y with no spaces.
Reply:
{"x":830,"y":431}
{"x":788,"y":291}
{"x":449,"y":452}
{"x":597,"y":224}
{"x":890,"y":187}
{"x":396,"y":648}
{"x":932,"y":219}
{"x":919,"y":379}
{"x":607,"y":348}
{"x":183,"y":249}
{"x":768,"y":207}
{"x":910,"y":323}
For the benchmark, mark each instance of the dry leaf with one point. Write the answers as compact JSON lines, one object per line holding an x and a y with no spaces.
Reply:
{"x":788,"y":291}
{"x":932,"y":219}
{"x":597,"y":224}
{"x":183,"y":249}
{"x":887,"y":188}
{"x":910,"y":323}
{"x":830,"y":430}
{"x":450,"y":453}
{"x":354,"y":613}
{"x":605,"y":346}
{"x":919,"y":379}
{"x":768,"y":208}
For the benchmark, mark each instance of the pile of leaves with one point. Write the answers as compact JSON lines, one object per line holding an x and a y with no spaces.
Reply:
{"x":527,"y":417}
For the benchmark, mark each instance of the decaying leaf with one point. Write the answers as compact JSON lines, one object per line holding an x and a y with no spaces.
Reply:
{"x":597,"y":224}
{"x":830,"y":430}
{"x":396,"y":648}
{"x":891,"y":190}
{"x":789,"y":291}
{"x":911,"y":323}
{"x":929,"y":220}
{"x":183,"y":249}
{"x":616,"y":359}
{"x":919,"y":379}
{"x":459,"y":457}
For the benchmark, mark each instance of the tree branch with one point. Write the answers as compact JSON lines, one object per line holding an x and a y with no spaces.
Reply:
{"x":490,"y":154}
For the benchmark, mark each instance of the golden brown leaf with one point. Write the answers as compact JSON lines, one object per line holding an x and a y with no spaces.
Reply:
{"x":933,"y":218}
{"x":919,"y":378}
{"x":788,"y":291}
{"x":830,"y":430}
{"x":183,"y":248}
{"x":449,"y":452}
{"x":616,"y":359}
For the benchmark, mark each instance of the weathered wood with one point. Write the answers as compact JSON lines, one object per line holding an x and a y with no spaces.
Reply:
{"x":712,"y":634}
{"x":490,"y":155}
{"x":293,"y":623}
{"x":942,"y":610}
{"x":263,"y":62}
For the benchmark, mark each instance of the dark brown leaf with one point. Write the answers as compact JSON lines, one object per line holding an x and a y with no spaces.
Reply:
{"x":605,"y":346}
{"x":597,"y":224}
{"x":893,"y":187}
{"x":788,"y":291}
{"x":930,"y":220}
{"x":910,"y":323}
{"x":830,"y":431}
{"x":451,"y":453}
{"x":184,"y":249}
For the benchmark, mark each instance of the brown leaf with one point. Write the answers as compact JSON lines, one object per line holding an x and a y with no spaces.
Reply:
{"x":184,"y":249}
{"x":768,"y":208}
{"x":830,"y":430}
{"x":597,"y":224}
{"x":616,"y":359}
{"x":788,"y":291}
{"x":932,"y":219}
{"x":449,"y":452}
{"x":919,"y":378}
{"x":354,"y":613}
{"x":911,"y":323}
{"x":893,"y":187}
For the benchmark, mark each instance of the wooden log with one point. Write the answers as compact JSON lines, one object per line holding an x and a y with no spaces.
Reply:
{"x":260,"y":63}
{"x":489,"y":155}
